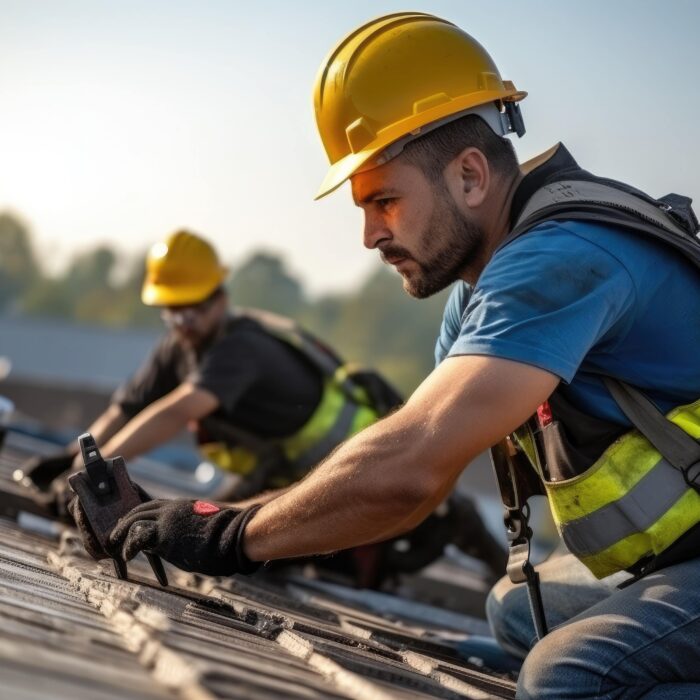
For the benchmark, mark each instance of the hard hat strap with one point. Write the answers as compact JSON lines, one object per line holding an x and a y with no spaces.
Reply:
{"x":501,"y":122}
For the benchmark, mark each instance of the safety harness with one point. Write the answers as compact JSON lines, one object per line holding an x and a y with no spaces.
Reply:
{"x":352,"y":398}
{"x":574,"y":472}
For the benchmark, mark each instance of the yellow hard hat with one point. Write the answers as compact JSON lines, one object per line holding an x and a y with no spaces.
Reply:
{"x":183,"y":269}
{"x":392,"y":78}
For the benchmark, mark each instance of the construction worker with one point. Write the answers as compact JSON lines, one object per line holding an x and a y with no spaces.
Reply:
{"x":575,"y":304}
{"x":266,"y":400}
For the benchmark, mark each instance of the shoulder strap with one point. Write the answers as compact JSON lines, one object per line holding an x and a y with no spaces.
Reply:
{"x":670,"y":220}
{"x":570,"y":193}
{"x":285,"y":329}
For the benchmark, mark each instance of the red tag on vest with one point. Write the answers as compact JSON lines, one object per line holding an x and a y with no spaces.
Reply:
{"x":204,"y":508}
{"x":544,"y":414}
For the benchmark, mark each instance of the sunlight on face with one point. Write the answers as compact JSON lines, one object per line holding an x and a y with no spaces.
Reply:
{"x":416,"y":225}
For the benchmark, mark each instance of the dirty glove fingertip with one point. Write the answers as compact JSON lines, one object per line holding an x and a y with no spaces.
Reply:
{"x":143,"y":535}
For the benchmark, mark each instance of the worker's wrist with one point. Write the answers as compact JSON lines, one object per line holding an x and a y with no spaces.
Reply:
{"x":250,"y":540}
{"x":245,"y":563}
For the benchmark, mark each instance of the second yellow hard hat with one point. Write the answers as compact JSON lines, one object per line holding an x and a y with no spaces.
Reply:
{"x":183,"y":269}
{"x":393,"y":77}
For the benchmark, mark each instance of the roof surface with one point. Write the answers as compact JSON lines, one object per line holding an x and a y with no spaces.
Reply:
{"x":70,"y":629}
{"x":46,"y":349}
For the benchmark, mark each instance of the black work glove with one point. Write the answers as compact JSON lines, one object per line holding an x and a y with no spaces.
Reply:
{"x":87,"y":535}
{"x":41,"y":471}
{"x":196,"y":536}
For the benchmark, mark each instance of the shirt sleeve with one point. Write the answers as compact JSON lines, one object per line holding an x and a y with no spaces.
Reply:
{"x":547,"y":299}
{"x":229,"y":369}
{"x":452,"y":320}
{"x":153,"y":380}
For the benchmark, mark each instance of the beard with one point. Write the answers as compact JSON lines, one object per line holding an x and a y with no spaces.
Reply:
{"x":449,"y":245}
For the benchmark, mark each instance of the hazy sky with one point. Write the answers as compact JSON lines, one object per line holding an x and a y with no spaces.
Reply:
{"x":121,"y":121}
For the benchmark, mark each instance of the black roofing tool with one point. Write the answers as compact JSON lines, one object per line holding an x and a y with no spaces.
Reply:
{"x":106,"y":493}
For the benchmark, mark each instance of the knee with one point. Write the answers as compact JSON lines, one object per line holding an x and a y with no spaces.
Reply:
{"x":508,"y":614}
{"x":556,"y":669}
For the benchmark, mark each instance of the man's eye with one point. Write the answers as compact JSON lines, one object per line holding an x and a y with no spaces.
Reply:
{"x":385,"y":202}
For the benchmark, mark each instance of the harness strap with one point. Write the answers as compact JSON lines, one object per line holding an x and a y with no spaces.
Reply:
{"x":677,"y":447}
{"x":574,"y":193}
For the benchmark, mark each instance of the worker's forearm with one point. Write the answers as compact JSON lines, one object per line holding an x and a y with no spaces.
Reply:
{"x":105,"y":426}
{"x":364,"y":492}
{"x":262,"y":498}
{"x":147,"y":430}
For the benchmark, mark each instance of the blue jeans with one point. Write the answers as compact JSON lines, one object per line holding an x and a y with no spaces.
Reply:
{"x":639,"y":642}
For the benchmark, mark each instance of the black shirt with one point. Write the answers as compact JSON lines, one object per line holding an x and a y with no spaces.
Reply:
{"x":264,"y":386}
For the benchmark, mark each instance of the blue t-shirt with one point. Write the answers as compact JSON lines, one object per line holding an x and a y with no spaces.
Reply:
{"x":580,"y":300}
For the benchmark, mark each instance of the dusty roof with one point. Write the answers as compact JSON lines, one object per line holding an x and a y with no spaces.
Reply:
{"x":70,"y":629}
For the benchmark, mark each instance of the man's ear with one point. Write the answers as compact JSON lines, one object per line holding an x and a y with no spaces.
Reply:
{"x":469,"y":178}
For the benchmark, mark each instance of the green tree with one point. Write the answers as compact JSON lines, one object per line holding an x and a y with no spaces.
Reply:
{"x":383,"y":327}
{"x":19,"y":269}
{"x":263,"y":281}
{"x":83,"y":292}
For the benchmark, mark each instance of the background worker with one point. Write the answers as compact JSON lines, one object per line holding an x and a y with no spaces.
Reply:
{"x":265,"y":399}
{"x":413,"y":111}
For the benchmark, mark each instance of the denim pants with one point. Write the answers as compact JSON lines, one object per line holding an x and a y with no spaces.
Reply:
{"x":639,"y":642}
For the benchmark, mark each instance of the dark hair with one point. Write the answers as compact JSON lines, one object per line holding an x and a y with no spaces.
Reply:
{"x":433,"y":151}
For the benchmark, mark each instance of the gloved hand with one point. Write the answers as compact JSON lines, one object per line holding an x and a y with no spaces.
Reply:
{"x":41,"y":471}
{"x":197,"y":536}
{"x":87,"y":535}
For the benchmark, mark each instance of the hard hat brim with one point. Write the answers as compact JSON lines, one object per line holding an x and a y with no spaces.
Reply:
{"x":343,"y":170}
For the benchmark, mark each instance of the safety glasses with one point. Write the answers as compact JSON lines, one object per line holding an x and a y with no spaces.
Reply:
{"x":187,"y":315}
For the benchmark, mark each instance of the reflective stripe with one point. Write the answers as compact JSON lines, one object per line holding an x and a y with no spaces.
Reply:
{"x":636,"y":511}
{"x":339,"y":431}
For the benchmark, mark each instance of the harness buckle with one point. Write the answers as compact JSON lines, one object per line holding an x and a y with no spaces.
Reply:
{"x":692,"y":476}
{"x":518,"y":533}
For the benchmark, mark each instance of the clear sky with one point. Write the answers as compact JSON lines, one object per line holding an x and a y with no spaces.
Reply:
{"x":123,"y":120}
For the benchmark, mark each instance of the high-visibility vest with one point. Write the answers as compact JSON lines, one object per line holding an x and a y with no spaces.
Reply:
{"x":345,"y":408}
{"x":631,"y":500}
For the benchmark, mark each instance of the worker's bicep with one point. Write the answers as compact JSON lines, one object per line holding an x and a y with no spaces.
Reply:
{"x":469,"y":403}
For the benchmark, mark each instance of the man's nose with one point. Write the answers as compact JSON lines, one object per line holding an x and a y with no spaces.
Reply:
{"x":374,"y":231}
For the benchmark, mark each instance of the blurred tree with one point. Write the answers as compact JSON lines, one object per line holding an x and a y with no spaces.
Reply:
{"x":263,"y":281}
{"x":383,"y":327}
{"x":48,"y":297}
{"x":128,"y":309}
{"x":18,"y":266}
{"x":83,"y":292}
{"x":91,"y":270}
